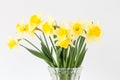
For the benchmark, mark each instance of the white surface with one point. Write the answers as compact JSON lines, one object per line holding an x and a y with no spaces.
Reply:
{"x":102,"y":61}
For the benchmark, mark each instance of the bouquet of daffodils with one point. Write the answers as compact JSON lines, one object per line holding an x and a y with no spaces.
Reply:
{"x":61,"y":45}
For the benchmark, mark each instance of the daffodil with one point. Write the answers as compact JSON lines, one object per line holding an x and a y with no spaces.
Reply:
{"x":26,"y":29}
{"x":12,"y":43}
{"x":64,"y":43}
{"x":64,"y":37}
{"x":30,"y":30}
{"x":77,"y":28}
{"x":93,"y":32}
{"x":35,"y":20}
{"x":48,"y":26}
{"x":20,"y":28}
{"x":62,"y":32}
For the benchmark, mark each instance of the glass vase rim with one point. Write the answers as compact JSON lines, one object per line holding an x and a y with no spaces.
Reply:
{"x":65,"y":68}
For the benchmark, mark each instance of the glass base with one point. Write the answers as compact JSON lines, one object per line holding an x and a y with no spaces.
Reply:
{"x":65,"y":73}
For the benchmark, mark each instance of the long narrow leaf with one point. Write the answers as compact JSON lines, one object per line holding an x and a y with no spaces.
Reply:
{"x":39,"y":55}
{"x":45,"y":49}
{"x":81,"y":56}
{"x":80,"y":46}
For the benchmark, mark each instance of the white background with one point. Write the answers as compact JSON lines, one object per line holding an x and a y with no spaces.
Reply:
{"x":102,"y":61}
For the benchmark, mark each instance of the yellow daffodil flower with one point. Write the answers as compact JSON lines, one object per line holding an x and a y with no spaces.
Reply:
{"x":77,"y":28}
{"x":93,"y":32}
{"x":20,"y":28}
{"x":30,"y":30}
{"x":64,"y":37}
{"x":48,"y":26}
{"x":64,"y":43}
{"x":35,"y":20}
{"x":26,"y":28}
{"x":12,"y":43}
{"x":62,"y":32}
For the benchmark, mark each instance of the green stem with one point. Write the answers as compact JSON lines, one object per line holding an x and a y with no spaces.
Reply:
{"x":37,"y":36}
{"x":32,"y":44}
{"x":45,"y":40}
{"x":54,"y":50}
{"x":52,"y":44}
{"x":39,"y":55}
{"x":67,"y":57}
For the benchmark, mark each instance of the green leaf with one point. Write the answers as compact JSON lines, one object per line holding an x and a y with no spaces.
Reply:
{"x":46,"y":51}
{"x":75,"y":51}
{"x":67,"y":57}
{"x":81,"y":42}
{"x":61,"y":57}
{"x":81,"y":56}
{"x":65,"y":54}
{"x":59,"y":50}
{"x":56,"y":51}
{"x":71,"y":54}
{"x":39,"y":55}
{"x":44,"y":47}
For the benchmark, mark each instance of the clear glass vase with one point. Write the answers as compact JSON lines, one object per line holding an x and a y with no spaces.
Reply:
{"x":65,"y":73}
